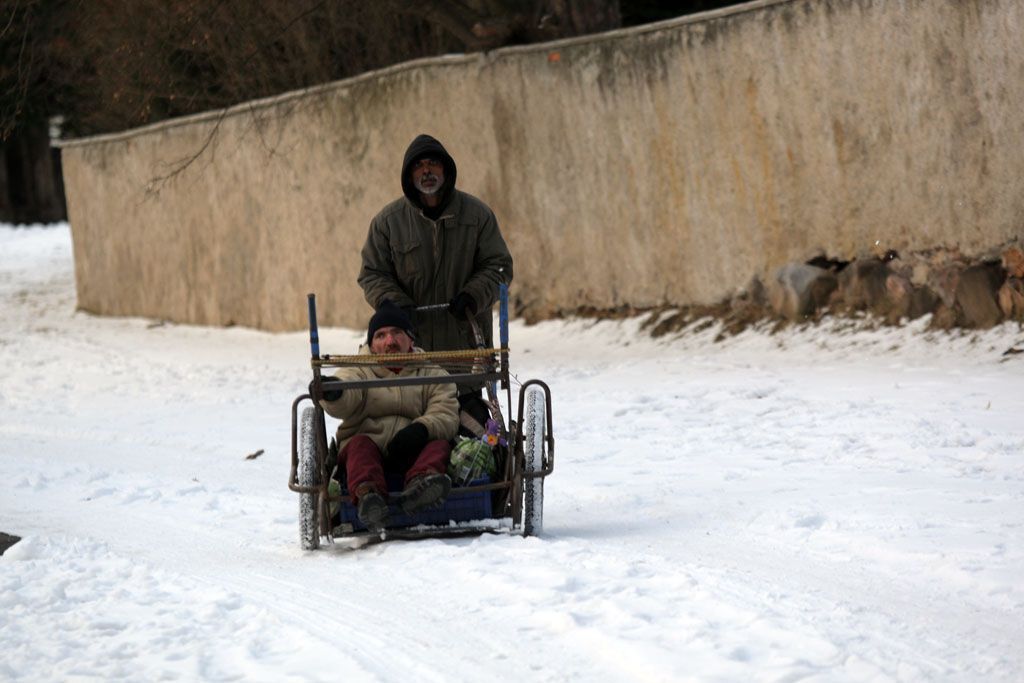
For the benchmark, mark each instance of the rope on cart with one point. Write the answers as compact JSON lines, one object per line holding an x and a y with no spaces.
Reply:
{"x":428,"y":357}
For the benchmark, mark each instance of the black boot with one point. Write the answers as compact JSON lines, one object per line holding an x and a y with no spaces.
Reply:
{"x":373,"y":511}
{"x":425,"y":491}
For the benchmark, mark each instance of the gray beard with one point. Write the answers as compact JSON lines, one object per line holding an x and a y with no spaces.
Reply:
{"x":428,"y":190}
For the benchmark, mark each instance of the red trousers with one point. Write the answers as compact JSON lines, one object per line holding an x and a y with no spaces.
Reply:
{"x":364,"y":463}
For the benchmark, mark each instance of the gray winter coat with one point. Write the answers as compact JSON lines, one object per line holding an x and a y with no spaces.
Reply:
{"x":413,"y":260}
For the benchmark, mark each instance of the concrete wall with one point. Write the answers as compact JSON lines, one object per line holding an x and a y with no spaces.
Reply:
{"x":663,"y":164}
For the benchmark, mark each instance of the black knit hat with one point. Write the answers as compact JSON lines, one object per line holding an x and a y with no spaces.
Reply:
{"x":389,"y":315}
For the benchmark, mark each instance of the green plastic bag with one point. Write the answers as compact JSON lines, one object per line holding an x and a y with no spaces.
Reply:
{"x":471,"y":458}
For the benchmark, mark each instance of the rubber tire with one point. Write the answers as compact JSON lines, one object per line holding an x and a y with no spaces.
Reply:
{"x":534,"y":419}
{"x":309,"y":520}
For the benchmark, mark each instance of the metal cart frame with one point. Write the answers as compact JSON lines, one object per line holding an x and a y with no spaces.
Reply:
{"x":528,"y":456}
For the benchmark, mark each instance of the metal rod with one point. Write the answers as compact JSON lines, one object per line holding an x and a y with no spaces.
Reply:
{"x":292,"y":483}
{"x":477,"y":488}
{"x":462,"y":378}
{"x":430,"y":307}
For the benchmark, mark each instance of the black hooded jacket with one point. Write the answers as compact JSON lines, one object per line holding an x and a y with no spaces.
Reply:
{"x":426,"y":146}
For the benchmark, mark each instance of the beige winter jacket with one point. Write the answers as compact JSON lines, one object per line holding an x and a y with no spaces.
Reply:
{"x":381,"y":412}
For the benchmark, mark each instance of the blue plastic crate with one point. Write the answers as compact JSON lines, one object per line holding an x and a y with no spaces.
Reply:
{"x":460,"y":506}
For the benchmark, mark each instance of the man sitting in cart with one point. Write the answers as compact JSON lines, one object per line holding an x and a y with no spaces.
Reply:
{"x":399,"y":431}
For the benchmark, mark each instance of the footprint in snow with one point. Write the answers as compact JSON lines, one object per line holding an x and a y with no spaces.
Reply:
{"x":810,"y":521}
{"x":101,"y":493}
{"x":740,"y":654}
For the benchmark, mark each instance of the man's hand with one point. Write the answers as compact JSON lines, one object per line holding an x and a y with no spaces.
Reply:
{"x":462,"y":306}
{"x":330,"y":388}
{"x":409,"y":310}
{"x":408,"y":442}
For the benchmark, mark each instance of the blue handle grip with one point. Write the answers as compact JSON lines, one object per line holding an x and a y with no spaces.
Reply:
{"x":314,"y":336}
{"x":503,"y":314}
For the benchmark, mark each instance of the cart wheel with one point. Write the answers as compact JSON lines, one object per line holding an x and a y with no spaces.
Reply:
{"x":533,"y":456}
{"x":309,"y":523}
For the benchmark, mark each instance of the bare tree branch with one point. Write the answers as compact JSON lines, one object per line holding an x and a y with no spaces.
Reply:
{"x":452,"y":16}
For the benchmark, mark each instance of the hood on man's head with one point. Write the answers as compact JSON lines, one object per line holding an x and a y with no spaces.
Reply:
{"x":427,"y":146}
{"x":389,"y":315}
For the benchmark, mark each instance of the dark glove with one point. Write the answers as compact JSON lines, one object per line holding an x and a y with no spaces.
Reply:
{"x":408,"y":442}
{"x":330,"y":388}
{"x":462,"y":306}
{"x":388,"y":302}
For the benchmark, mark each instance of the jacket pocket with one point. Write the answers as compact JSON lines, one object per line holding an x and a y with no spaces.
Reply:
{"x":407,"y":259}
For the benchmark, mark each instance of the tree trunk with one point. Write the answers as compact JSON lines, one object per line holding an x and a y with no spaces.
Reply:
{"x":31,"y":186}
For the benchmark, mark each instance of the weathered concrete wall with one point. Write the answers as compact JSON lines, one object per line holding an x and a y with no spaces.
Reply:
{"x":646,"y":166}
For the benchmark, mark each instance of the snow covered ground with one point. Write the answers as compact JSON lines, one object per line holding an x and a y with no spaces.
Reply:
{"x":826,"y":504}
